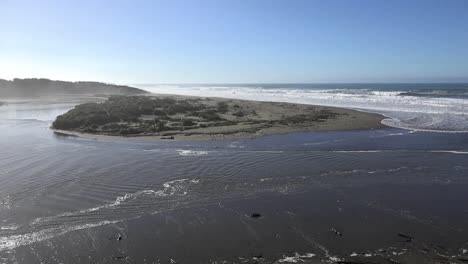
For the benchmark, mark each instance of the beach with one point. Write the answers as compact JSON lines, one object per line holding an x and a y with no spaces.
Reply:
{"x":382,"y":195}
{"x":234,"y":132}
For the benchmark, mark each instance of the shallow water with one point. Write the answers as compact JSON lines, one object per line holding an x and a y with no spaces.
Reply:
{"x":75,"y":200}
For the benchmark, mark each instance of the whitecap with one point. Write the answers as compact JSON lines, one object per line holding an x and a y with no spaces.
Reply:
{"x":430,"y":112}
{"x":183,"y":152}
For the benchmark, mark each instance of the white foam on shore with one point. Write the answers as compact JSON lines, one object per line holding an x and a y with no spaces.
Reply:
{"x":450,"y":151}
{"x":170,"y":188}
{"x":265,"y":179}
{"x":196,"y":153}
{"x":177,"y":187}
{"x":11,"y":227}
{"x":295,"y":258}
{"x":14,"y":241}
{"x":5,"y":203}
{"x":358,"y":151}
{"x":438,"y":114}
{"x":335,"y":258}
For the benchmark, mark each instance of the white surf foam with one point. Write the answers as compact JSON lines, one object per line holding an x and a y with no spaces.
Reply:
{"x":10,"y":227}
{"x":296,"y":258}
{"x":450,"y":151}
{"x":179,"y":187}
{"x":184,"y":152}
{"x":411,"y":112}
{"x":5,"y":203}
{"x":14,"y":241}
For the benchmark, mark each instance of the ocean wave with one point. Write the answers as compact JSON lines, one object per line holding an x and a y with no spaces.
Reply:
{"x":447,"y":93}
{"x":434,"y":109}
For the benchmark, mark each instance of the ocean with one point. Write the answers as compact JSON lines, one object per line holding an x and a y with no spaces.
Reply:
{"x":431,"y":107}
{"x":393,"y":195}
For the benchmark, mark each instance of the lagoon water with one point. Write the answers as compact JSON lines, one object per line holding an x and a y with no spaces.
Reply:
{"x":377,"y":196}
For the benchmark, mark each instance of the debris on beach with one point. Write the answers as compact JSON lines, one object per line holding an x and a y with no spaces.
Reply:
{"x":119,"y":257}
{"x":255,"y":215}
{"x":338,"y":233}
{"x":408,"y":238}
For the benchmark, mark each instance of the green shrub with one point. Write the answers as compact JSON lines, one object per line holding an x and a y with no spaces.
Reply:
{"x":188,"y":122}
{"x":223,"y":107}
{"x":239,"y":114}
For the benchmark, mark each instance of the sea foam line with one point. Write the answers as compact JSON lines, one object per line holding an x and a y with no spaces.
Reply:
{"x":175,"y":187}
{"x":184,"y":152}
{"x":14,"y":241}
{"x":170,"y":188}
{"x":450,"y":151}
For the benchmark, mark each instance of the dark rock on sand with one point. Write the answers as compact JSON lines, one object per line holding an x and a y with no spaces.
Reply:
{"x":336,"y":232}
{"x":255,"y":215}
{"x":406,"y":237}
{"x":119,"y":257}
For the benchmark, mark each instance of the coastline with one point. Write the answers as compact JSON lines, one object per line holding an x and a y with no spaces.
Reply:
{"x":342,"y":120}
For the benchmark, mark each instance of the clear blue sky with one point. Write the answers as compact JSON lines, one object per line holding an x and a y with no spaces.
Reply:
{"x":236,"y":41}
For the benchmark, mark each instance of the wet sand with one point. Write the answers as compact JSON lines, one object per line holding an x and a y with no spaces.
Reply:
{"x":362,"y":196}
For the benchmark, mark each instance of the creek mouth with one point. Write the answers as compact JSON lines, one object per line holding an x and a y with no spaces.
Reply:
{"x":357,"y":196}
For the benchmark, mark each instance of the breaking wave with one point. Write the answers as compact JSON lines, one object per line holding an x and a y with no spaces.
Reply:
{"x":441,"y":108}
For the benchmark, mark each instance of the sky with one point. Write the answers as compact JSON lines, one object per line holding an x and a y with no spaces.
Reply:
{"x":235,"y":41}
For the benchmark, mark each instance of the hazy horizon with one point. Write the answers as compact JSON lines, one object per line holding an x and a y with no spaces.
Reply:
{"x":247,"y":83}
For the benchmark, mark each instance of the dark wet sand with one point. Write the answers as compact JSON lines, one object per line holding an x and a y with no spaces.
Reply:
{"x":369,"y":196}
{"x":291,"y":227}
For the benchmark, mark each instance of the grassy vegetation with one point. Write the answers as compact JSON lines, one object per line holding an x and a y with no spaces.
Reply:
{"x":46,"y":87}
{"x":144,"y":115}
{"x":129,"y":115}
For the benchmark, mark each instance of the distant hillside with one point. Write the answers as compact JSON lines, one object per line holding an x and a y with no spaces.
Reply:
{"x":43,"y":87}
